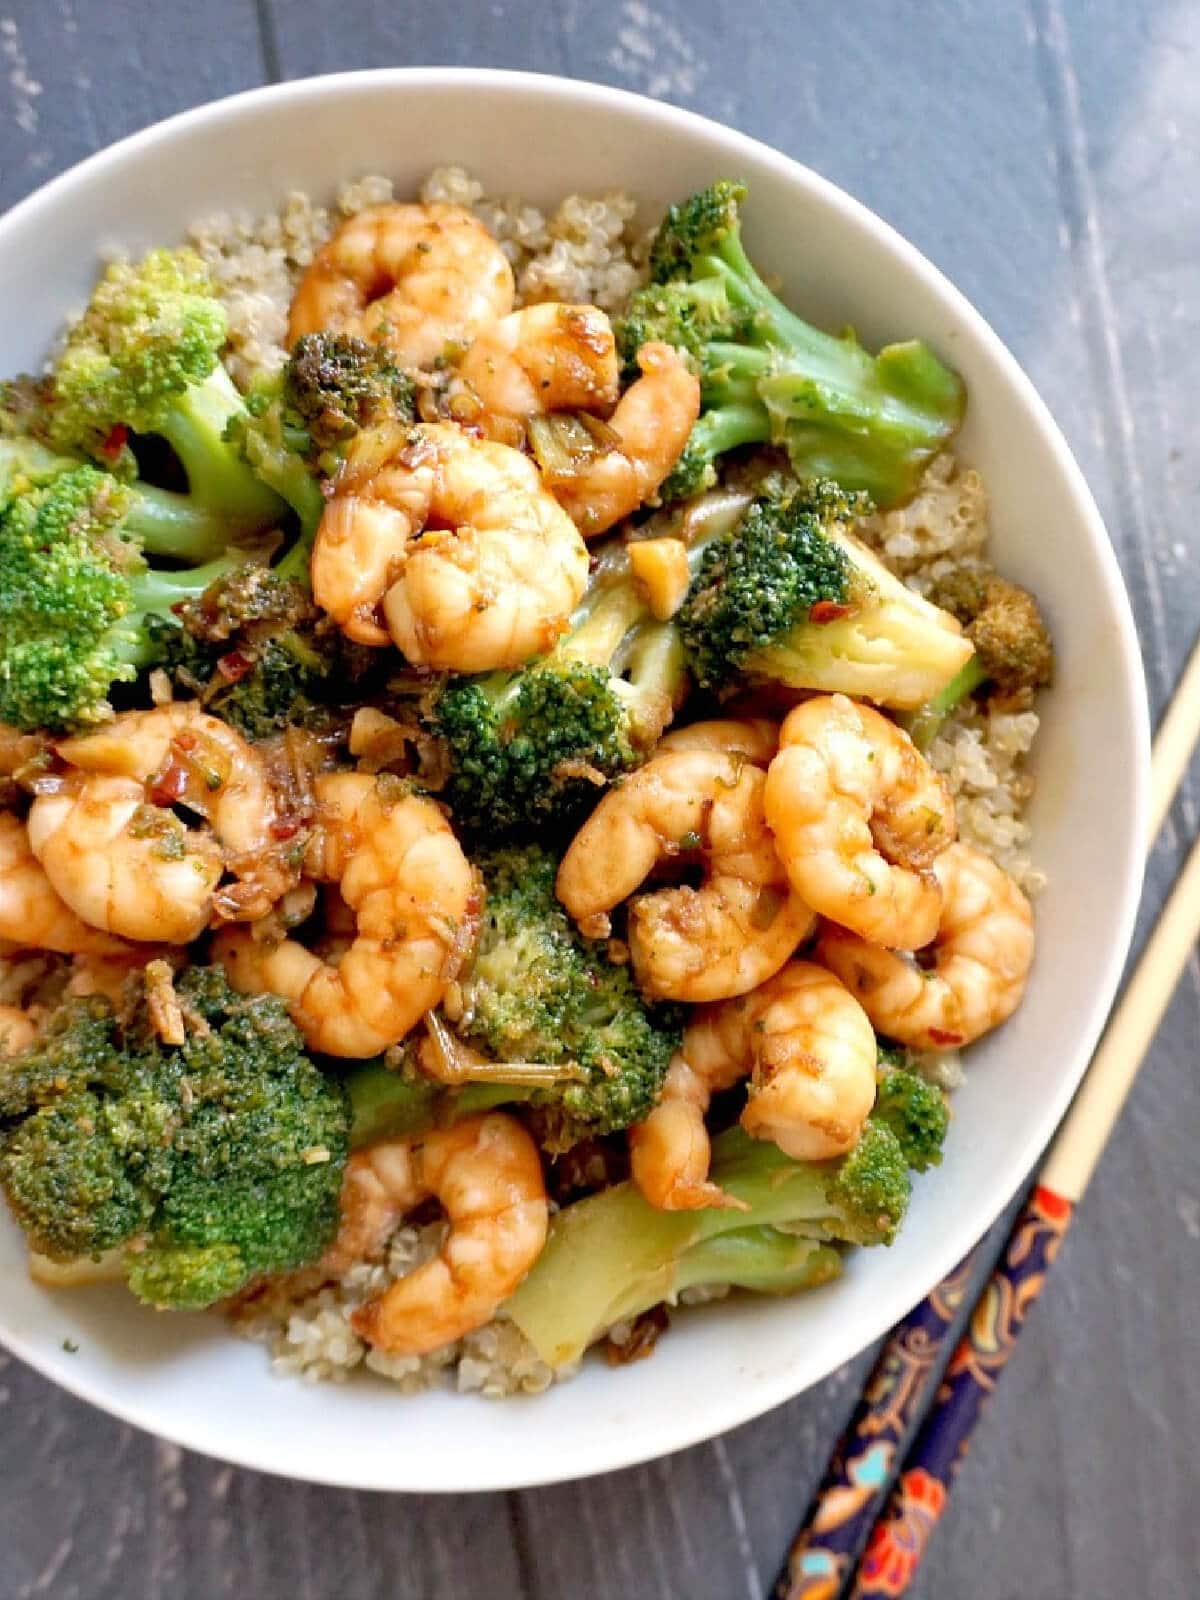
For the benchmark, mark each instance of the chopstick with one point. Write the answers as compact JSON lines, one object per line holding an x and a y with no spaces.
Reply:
{"x":849,"y":1497}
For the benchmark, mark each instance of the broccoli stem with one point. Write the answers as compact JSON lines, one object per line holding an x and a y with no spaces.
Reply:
{"x":386,"y":1104}
{"x":614,"y":1252}
{"x":609,"y":611}
{"x":924,"y":724}
{"x":154,"y":594}
{"x":763,"y":1260}
{"x":176,"y":526}
{"x":217,"y":477}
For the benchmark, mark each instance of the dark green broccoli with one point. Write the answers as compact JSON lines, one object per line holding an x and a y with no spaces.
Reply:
{"x":1014,"y":654}
{"x":207,"y":1163}
{"x":870,"y":422}
{"x":335,"y":385}
{"x":789,"y":596}
{"x":299,"y":422}
{"x":538,"y":993}
{"x":145,"y":359}
{"x":258,"y":653}
{"x":79,"y":607}
{"x":536,"y":746}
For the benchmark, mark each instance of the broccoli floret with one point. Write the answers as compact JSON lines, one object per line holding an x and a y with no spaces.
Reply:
{"x":145,"y":358}
{"x":1006,"y":627}
{"x":208,"y":1163}
{"x":1014,"y":654}
{"x":916,"y":1111}
{"x":336,"y":385}
{"x":536,"y":746}
{"x":537,"y":992}
{"x":870,"y":422}
{"x":613,"y":1255}
{"x":789,"y":596}
{"x":299,"y":421}
{"x":78,"y":604}
{"x":258,"y":653}
{"x":166,"y":523}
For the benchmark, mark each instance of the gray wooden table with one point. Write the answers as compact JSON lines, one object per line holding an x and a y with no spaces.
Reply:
{"x":1047,"y":156}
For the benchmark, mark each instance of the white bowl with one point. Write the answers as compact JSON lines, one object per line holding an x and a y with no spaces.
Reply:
{"x":185,"y":1377}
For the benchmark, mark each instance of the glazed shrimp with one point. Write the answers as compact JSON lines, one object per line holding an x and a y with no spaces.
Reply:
{"x":475,"y":563}
{"x":414,"y":277}
{"x":547,"y":357}
{"x":32,"y":913}
{"x":113,"y":849}
{"x":756,"y":739}
{"x":488,"y":1176}
{"x":981,"y":956}
{"x":652,"y":421}
{"x":403,"y":874}
{"x":859,"y":817}
{"x":722,"y":939}
{"x":810,"y":1051}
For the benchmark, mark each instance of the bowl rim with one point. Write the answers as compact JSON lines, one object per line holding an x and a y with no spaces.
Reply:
{"x":727,"y":1409}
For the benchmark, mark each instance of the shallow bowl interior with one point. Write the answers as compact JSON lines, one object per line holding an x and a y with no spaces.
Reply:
{"x":184,"y":1378}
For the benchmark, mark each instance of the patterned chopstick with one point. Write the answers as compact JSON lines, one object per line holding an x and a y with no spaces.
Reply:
{"x":843,"y":1511}
{"x":854,"y":1488}
{"x":922,"y":1489}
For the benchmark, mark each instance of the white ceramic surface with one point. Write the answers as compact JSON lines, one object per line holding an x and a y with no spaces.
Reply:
{"x":183,"y":1377}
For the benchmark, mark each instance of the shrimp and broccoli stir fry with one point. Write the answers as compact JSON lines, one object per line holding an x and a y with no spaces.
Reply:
{"x":483,"y":850}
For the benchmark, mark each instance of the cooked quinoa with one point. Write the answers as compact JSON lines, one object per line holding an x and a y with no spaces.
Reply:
{"x":588,"y":249}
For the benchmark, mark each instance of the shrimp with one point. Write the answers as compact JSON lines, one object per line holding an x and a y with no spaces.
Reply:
{"x":32,"y":913}
{"x":981,"y":956}
{"x":547,"y":357}
{"x":722,"y":939}
{"x":414,"y":277}
{"x":487,"y":1173}
{"x":756,"y":739}
{"x":810,"y":1051}
{"x":113,"y":849}
{"x":474,"y":562}
{"x":403,"y":874}
{"x":859,"y":817}
{"x":18,"y":1030}
{"x":653,"y":419}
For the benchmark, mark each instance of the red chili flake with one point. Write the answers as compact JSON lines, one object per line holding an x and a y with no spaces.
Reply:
{"x":284,"y":830}
{"x":234,"y":666}
{"x":941,"y":1037}
{"x":829,"y":611}
{"x":170,"y":785}
{"x":116,"y":442}
{"x":185,"y":741}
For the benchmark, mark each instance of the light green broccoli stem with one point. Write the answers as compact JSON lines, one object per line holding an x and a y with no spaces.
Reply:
{"x":614,"y":1253}
{"x":194,"y":425}
{"x":154,"y":594}
{"x":924,"y":724}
